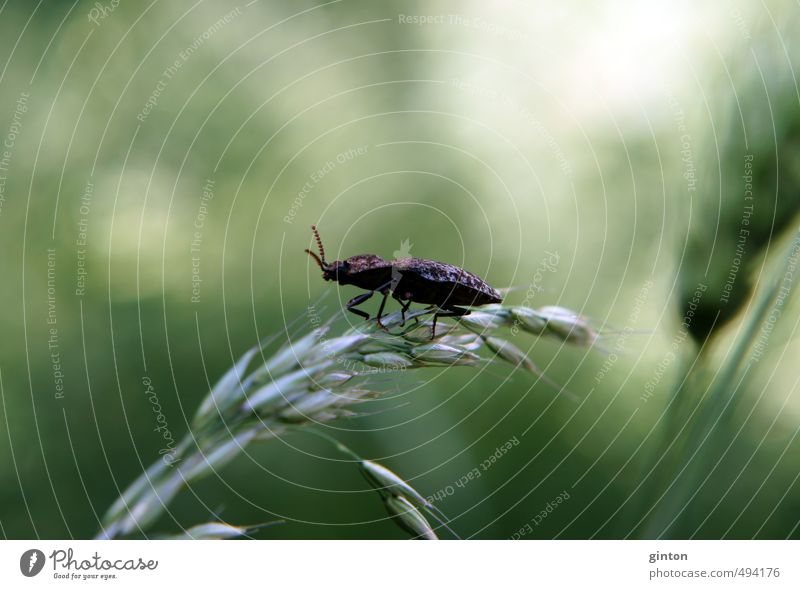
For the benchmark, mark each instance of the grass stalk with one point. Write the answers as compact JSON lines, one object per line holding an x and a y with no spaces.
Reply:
{"x":321,"y":377}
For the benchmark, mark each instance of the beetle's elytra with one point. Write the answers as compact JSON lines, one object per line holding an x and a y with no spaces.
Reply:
{"x":410,"y":280}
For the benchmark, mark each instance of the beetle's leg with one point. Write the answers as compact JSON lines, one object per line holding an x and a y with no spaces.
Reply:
{"x":380,"y":309}
{"x":403,"y":311}
{"x":351,"y":304}
{"x":448,"y":312}
{"x":405,"y":300}
{"x":384,"y":290}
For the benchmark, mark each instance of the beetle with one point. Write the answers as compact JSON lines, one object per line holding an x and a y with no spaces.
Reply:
{"x":446,"y":287}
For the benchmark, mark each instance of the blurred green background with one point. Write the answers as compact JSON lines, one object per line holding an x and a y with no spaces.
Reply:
{"x":163,"y":163}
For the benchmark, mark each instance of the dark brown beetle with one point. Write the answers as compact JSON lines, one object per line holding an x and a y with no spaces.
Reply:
{"x":410,"y":280}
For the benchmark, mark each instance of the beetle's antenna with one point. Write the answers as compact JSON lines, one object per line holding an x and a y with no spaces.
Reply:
{"x":319,"y":244}
{"x":316,"y":258}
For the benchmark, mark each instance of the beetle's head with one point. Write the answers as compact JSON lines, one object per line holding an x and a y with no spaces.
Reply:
{"x":335,"y":271}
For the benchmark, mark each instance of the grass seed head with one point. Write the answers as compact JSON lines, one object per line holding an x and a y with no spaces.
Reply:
{"x":391,"y":360}
{"x":409,"y":518}
{"x":226,"y":388}
{"x":568,"y":326}
{"x":511,"y":353}
{"x":276,"y":392}
{"x":306,"y":406}
{"x":484,"y":320}
{"x":438,"y":353}
{"x":202,"y":464}
{"x":387,"y":481}
{"x":333,"y":379}
{"x":212,"y":531}
{"x":293,"y":353}
{"x":529,"y":320}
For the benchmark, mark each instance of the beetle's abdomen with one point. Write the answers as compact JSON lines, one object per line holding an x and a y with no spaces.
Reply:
{"x":435,"y":283}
